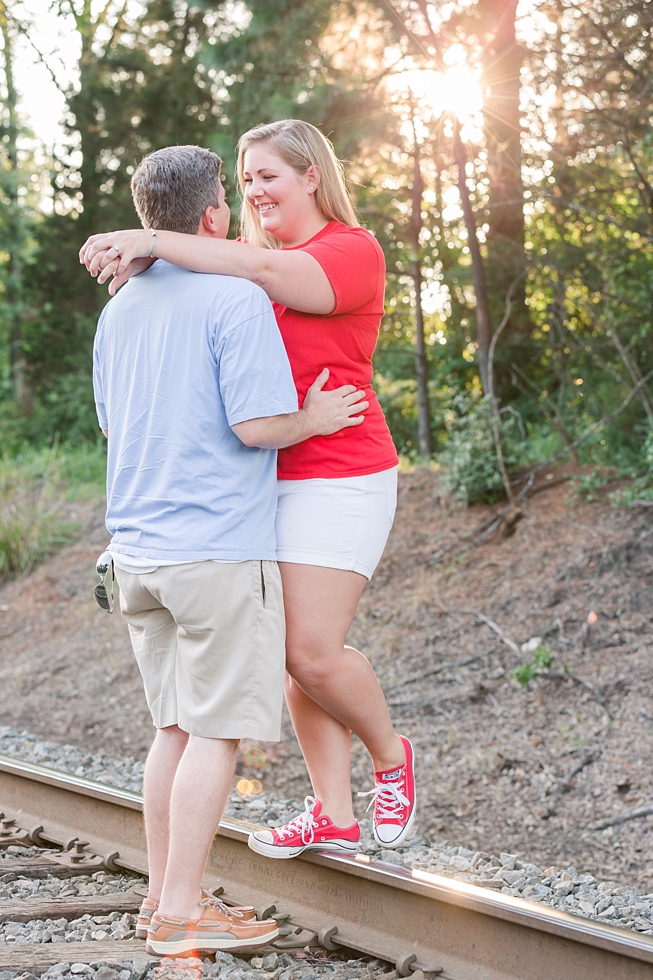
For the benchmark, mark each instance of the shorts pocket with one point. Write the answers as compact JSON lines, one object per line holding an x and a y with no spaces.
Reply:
{"x":258,"y":582}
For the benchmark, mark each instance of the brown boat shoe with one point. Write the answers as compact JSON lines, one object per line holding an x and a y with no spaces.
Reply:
{"x":218,"y":927}
{"x":145,"y":913}
{"x":150,"y":906}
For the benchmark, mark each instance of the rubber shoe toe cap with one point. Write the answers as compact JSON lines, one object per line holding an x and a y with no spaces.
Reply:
{"x":265,"y":836}
{"x":388,"y":834}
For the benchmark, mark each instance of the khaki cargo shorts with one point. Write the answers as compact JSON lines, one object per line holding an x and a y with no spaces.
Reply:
{"x":209,"y":639}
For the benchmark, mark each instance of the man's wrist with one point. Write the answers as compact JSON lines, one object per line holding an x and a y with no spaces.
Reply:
{"x":308,"y":423}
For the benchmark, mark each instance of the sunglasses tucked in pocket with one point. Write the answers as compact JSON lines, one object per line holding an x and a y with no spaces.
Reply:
{"x":104,"y":590}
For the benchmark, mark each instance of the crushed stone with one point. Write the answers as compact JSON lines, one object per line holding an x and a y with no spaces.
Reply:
{"x":271,"y":966}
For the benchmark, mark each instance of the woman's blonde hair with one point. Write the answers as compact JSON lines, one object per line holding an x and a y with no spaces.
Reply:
{"x":300,"y":145}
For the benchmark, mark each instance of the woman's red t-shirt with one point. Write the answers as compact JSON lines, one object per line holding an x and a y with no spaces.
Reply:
{"x":343,"y":341}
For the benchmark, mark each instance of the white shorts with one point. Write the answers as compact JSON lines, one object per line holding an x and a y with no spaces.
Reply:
{"x":340,"y":523}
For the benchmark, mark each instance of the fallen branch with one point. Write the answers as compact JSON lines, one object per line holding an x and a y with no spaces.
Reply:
{"x":642,"y":811}
{"x":583,"y":633}
{"x":587,"y":760}
{"x":489,"y":525}
{"x":585,"y":527}
{"x":438,"y":670}
{"x":502,"y":636}
{"x":549,"y":483}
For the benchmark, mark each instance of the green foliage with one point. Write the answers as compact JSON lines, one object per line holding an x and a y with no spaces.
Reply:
{"x":470,"y":469}
{"x":31,"y":526}
{"x":542,"y":660}
{"x":34,"y":488}
{"x":83,"y":469}
{"x":640,"y":485}
{"x":587,"y":486}
{"x":399,"y":403}
{"x":163,"y":72}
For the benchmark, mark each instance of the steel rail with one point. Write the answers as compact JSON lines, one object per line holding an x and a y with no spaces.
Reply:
{"x":412,"y":918}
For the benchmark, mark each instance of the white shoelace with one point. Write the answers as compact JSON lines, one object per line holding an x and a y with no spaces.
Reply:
{"x":304,"y":824}
{"x":214,"y":903}
{"x":388,"y":798}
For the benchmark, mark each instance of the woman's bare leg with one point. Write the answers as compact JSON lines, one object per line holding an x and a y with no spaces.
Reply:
{"x":332,"y":688}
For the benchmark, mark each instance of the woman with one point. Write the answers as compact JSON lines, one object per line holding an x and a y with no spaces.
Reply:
{"x":325,"y":276}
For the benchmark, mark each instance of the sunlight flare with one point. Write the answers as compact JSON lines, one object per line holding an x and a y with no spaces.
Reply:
{"x":458,"y":91}
{"x":433,"y":93}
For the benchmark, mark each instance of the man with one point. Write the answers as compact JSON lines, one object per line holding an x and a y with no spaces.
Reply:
{"x":194,"y":390}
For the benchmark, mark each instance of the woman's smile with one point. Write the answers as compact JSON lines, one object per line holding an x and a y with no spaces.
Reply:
{"x":292,"y":216}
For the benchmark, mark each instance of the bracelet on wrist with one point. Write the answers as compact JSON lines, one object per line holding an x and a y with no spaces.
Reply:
{"x":153,"y":249}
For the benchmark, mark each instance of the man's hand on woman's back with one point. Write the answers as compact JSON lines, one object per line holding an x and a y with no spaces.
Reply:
{"x":323,"y":413}
{"x":336,"y":409}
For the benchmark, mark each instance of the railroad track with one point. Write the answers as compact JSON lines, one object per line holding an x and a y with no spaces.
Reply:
{"x":424,"y":924}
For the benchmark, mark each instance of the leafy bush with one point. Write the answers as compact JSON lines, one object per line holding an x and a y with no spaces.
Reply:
{"x":84,"y":469}
{"x":469,"y":462}
{"x":33,"y":489}
{"x":30,"y":524}
{"x":587,"y":486}
{"x":398,"y":399}
{"x":640,"y":486}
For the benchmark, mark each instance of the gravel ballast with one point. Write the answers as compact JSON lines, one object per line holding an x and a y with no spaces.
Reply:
{"x":273,"y":966}
{"x":563,"y":888}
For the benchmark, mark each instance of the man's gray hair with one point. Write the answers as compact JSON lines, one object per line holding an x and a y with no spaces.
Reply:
{"x":173,"y":187}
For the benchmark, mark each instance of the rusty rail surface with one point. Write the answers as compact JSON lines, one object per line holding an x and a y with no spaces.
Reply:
{"x":414,"y":919}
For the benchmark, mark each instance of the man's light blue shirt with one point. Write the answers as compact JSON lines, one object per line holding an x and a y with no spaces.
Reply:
{"x":179,"y":357}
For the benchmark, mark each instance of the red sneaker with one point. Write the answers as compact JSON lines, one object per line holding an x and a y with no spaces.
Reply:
{"x":394,"y":801}
{"x":312,"y":830}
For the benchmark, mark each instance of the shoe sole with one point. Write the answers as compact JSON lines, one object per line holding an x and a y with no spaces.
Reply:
{"x":283,"y":853}
{"x":411,"y":820}
{"x":141,"y":933}
{"x":216,"y":943}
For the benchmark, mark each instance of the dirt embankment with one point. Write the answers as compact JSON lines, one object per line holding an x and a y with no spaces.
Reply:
{"x":500,"y":768}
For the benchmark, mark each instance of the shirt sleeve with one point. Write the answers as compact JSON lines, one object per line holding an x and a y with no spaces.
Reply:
{"x":98,"y":388}
{"x":353,"y":262}
{"x":254,"y":372}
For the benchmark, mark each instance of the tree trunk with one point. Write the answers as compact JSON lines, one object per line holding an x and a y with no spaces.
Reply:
{"x":483,"y":320}
{"x":421,"y":359}
{"x":502,"y":62}
{"x":16,"y":231}
{"x":84,"y":108}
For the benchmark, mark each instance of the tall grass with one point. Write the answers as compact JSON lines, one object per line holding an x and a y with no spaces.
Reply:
{"x":34,"y":489}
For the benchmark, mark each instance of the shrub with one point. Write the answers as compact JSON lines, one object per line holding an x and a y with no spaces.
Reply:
{"x":398,"y":399}
{"x":470,"y":470}
{"x":640,"y":486}
{"x":29,"y":515}
{"x":33,"y":490}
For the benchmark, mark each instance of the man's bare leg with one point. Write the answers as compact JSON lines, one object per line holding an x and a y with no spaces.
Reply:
{"x":199,"y":796}
{"x":160,"y":770}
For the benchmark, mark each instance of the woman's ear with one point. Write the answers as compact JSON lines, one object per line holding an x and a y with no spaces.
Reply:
{"x":313,"y":178}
